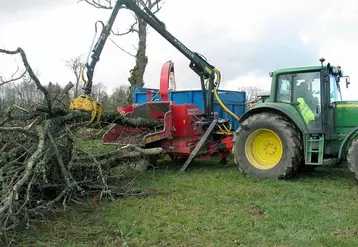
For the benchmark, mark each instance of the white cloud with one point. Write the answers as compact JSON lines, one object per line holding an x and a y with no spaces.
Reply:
{"x":250,"y":79}
{"x":244,"y":39}
{"x":305,"y":38}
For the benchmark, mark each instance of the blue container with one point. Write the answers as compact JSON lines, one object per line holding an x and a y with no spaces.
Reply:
{"x":233,"y":100}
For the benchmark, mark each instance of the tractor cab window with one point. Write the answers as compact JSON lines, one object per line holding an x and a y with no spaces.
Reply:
{"x":307,"y":86}
{"x":303,"y":89}
{"x":284,"y":88}
{"x":334,"y":90}
{"x":307,"y":94}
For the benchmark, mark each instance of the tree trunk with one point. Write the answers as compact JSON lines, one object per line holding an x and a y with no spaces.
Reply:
{"x":137,"y":73}
{"x":76,"y":86}
{"x":141,"y":58}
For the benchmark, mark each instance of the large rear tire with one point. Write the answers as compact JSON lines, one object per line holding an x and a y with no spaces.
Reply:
{"x":352,"y":158}
{"x":267,"y":145}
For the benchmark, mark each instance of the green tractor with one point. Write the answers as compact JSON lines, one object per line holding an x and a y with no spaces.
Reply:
{"x":303,"y":124}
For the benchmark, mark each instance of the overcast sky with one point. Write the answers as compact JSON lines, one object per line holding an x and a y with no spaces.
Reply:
{"x":243,"y":39}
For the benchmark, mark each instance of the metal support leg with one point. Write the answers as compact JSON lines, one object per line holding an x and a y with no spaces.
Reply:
{"x":203,"y":139}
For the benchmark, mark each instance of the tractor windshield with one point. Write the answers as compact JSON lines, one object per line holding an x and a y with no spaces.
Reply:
{"x":334,"y":90}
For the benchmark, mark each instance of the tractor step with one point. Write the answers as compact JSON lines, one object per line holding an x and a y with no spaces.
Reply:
{"x":314,"y":149}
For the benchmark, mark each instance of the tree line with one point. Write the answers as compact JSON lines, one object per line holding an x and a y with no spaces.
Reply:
{"x":24,"y":93}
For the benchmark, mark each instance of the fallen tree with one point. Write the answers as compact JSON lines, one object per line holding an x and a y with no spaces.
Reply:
{"x":40,"y":165}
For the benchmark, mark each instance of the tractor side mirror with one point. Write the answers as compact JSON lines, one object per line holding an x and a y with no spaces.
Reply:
{"x":348,"y":81}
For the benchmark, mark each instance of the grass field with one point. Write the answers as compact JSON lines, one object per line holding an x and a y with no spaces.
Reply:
{"x":210,"y":205}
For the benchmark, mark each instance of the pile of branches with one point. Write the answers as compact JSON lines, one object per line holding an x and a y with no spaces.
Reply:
{"x":40,"y":166}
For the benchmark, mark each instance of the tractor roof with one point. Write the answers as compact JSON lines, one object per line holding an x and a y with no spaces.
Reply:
{"x":298,"y":69}
{"x":333,"y":69}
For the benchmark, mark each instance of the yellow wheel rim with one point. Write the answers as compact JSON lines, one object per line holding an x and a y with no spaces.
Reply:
{"x":263,"y":149}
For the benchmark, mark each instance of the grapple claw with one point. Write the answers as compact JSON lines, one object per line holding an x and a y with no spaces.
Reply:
{"x":87,"y":104}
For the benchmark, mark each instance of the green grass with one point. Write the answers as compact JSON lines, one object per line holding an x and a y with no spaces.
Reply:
{"x":214,"y":206}
{"x":94,"y":147}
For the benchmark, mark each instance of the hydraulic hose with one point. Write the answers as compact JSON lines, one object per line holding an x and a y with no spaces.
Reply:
{"x":83,"y":75}
{"x":223,"y":105}
{"x":218,"y":98}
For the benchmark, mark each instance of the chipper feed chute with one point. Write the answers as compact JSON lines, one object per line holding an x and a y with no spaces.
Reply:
{"x":157,"y":112}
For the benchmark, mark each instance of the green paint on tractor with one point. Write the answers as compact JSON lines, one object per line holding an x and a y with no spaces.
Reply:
{"x":346,"y":114}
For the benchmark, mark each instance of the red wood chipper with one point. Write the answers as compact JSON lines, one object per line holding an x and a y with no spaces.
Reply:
{"x":185,"y":131}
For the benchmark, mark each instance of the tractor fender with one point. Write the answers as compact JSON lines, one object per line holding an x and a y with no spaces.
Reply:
{"x":285,"y":110}
{"x":345,"y":143}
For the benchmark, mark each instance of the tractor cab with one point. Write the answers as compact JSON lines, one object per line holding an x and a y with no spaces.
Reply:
{"x":302,"y":89}
{"x":309,"y":92}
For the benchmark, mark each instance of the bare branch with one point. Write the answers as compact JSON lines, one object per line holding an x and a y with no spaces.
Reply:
{"x":155,"y":4}
{"x":17,"y":129}
{"x":106,"y":4}
{"x":22,"y":109}
{"x":31,"y":73}
{"x":67,"y":88}
{"x":157,"y":10}
{"x":13,"y":194}
{"x":62,"y":95}
{"x":17,"y":70}
{"x":98,"y":4}
{"x":130,"y":30}
{"x":76,"y":65}
{"x":65,"y":173}
{"x":130,"y":54}
{"x":4,"y":121}
{"x":252,"y":92}
{"x":147,"y":151}
{"x":9,"y":52}
{"x":2,"y":82}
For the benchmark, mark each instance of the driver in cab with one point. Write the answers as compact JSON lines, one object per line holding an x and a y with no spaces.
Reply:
{"x":305,"y":98}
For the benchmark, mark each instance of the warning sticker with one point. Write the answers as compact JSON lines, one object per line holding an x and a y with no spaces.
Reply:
{"x":193,"y":111}
{"x":347,"y":106}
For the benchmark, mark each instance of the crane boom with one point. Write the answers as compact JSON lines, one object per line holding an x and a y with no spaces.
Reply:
{"x":198,"y":64}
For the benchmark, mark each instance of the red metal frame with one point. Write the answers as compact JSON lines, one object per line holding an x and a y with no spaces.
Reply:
{"x":163,"y":134}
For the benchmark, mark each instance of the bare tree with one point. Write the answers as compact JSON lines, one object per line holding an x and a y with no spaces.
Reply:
{"x":15,"y":77}
{"x":139,"y":27}
{"x":120,"y":96}
{"x":76,"y":65}
{"x":251,"y":92}
{"x":99,"y":92}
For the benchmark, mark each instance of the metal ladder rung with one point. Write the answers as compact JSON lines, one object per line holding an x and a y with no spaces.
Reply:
{"x":318,"y":149}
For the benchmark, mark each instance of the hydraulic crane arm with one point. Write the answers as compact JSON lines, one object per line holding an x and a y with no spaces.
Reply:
{"x":198,"y":64}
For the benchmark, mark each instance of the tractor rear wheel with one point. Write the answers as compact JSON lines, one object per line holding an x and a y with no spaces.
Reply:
{"x":267,"y":145}
{"x":352,"y":157}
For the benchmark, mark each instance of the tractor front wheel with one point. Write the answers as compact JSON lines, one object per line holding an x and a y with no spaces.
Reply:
{"x":267,"y":145}
{"x":352,"y":157}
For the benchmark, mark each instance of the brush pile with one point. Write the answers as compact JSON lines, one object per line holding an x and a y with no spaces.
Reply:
{"x":40,"y":165}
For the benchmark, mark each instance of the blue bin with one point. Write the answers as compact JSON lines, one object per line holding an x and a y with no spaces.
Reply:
{"x":233,"y":100}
